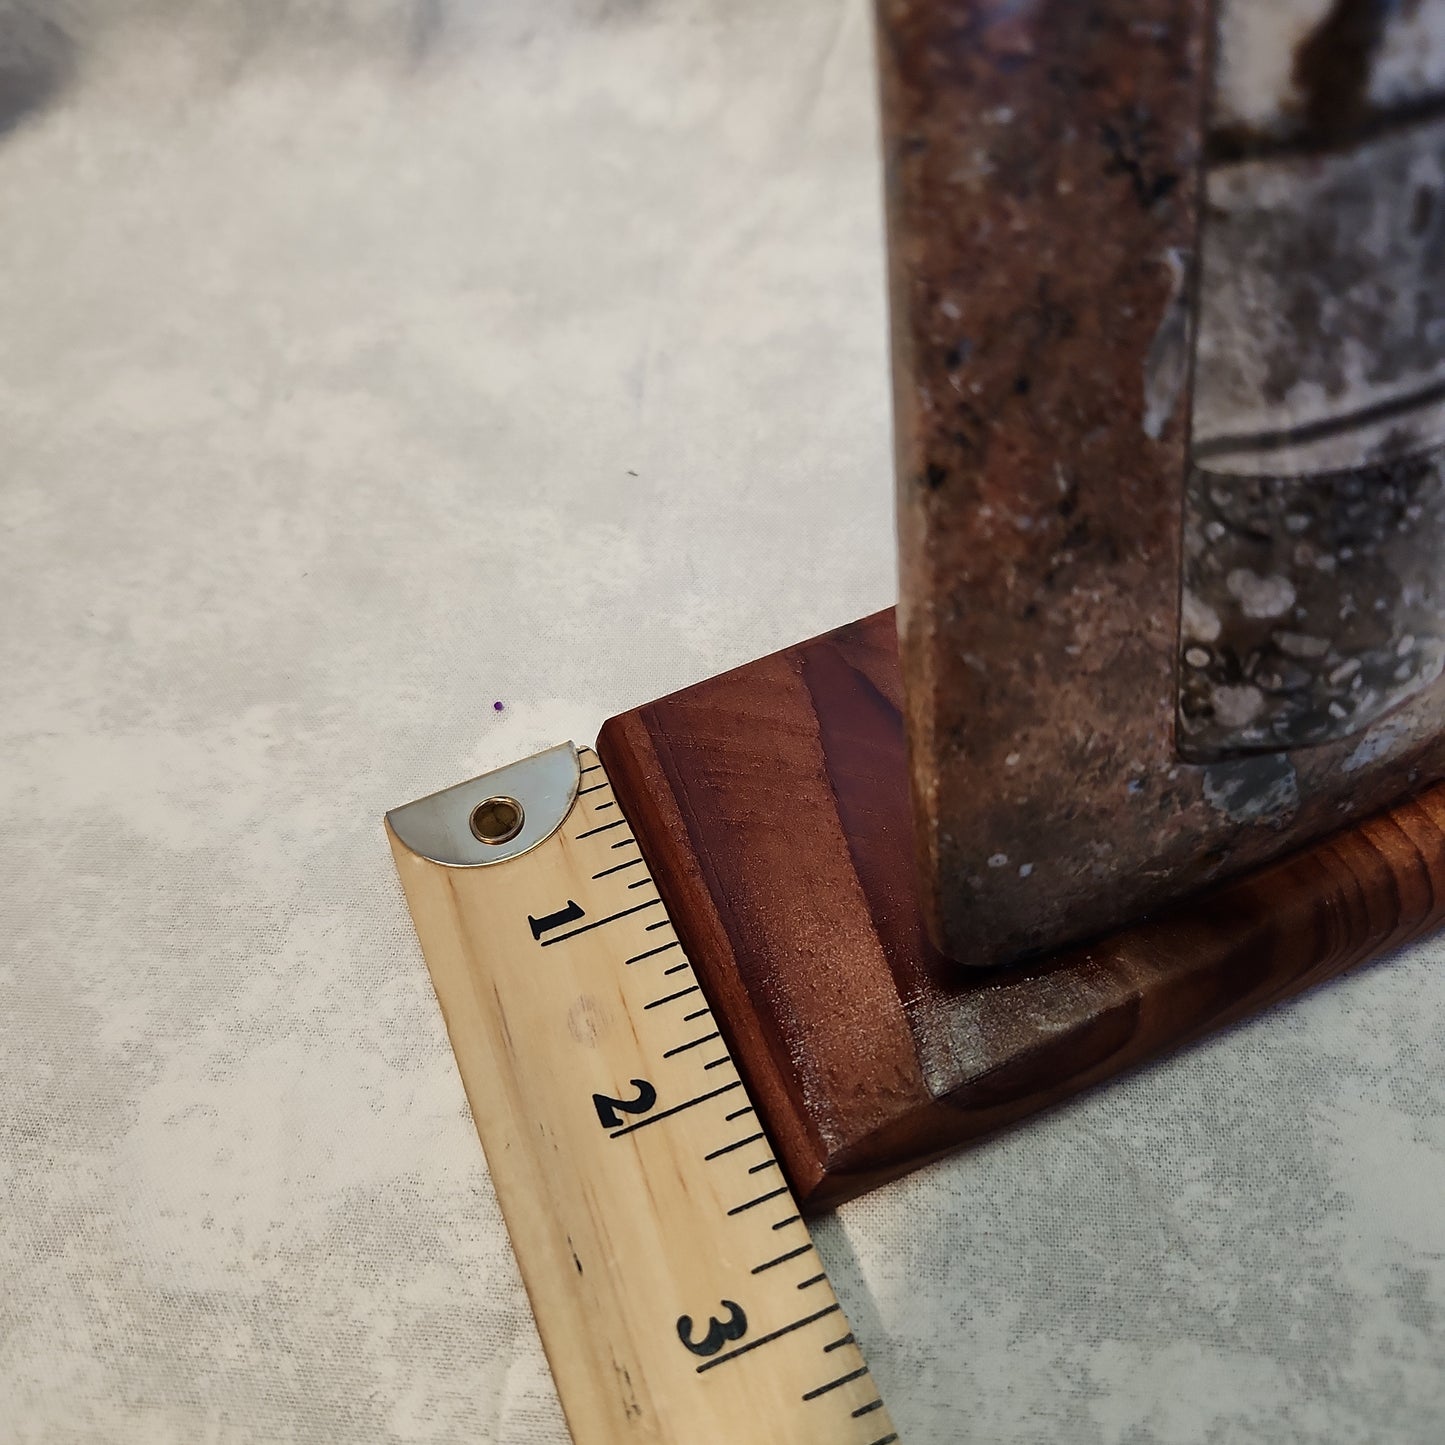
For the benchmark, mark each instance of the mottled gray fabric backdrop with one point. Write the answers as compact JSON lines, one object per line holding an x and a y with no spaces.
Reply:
{"x":363,"y":365}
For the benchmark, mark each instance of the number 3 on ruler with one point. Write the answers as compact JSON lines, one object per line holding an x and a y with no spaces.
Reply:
{"x":719,"y":1332}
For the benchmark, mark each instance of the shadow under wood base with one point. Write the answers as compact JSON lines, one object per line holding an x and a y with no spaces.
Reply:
{"x":772,"y":806}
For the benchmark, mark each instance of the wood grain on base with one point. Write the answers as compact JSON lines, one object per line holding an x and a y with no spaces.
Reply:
{"x":772,"y":805}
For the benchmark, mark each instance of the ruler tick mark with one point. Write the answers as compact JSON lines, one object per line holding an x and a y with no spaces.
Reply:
{"x":681,"y":993}
{"x":595,"y":788}
{"x":763,"y":1199}
{"x":676,"y":1109}
{"x":652,"y":952}
{"x":885,"y":1440}
{"x":769,"y":1338}
{"x":624,"y":842}
{"x":601,"y":806}
{"x":641,"y":882}
{"x":835,"y":1384}
{"x":718,"y":1063}
{"x":592,"y":768}
{"x":838,"y":1344}
{"x":666,"y":922}
{"x":766,"y":1164}
{"x":738,"y":1113}
{"x":791,"y":1219}
{"x":611,"y":918}
{"x":690,"y":1044}
{"x":869,"y":1408}
{"x":728,"y":1148}
{"x":591,"y":832}
{"x":696,"y":1014}
{"x":783,"y":1259}
{"x":677,"y":967}
{"x":816,"y":1279}
{"x":617,"y":868}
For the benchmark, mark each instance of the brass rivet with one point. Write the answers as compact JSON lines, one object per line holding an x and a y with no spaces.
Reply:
{"x":497,"y":820}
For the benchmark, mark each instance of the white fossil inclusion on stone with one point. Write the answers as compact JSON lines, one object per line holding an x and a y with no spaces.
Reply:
{"x":1258,"y":596}
{"x":1235,"y":707}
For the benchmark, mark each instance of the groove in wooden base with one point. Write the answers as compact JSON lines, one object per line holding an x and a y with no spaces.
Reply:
{"x":772,"y":805}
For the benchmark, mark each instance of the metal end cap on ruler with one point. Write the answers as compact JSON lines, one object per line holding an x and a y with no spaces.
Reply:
{"x":495,"y":817}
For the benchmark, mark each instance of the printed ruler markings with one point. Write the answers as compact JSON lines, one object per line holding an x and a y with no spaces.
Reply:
{"x":676,"y":1109}
{"x":653,"y":952}
{"x":704,"y":1333}
{"x":728,"y":1148}
{"x":617,"y":868}
{"x":761,"y":1199}
{"x":783,"y":1259}
{"x":767,"y":1339}
{"x":789,"y":1255}
{"x":592,"y":832}
{"x":681,"y":993}
{"x":601,"y":923}
{"x":771,"y":1163}
{"x":691,"y":1044}
{"x":835,"y":1384}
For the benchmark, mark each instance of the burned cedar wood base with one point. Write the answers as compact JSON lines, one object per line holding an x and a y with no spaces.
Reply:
{"x":771,"y":804}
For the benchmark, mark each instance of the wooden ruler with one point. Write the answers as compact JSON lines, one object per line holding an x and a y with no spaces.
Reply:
{"x":676,"y":1288}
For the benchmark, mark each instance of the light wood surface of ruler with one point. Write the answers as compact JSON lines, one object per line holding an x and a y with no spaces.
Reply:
{"x":675,"y":1286}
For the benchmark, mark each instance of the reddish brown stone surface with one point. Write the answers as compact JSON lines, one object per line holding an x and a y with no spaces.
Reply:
{"x":1042,"y":196}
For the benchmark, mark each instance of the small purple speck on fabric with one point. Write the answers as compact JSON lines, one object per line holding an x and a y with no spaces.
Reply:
{"x":496,"y":707}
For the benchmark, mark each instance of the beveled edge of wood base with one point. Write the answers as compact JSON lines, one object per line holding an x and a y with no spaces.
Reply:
{"x":632,"y":762}
{"x":771,"y":804}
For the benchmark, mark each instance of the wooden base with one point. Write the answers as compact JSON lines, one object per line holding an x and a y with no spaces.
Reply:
{"x":772,"y":805}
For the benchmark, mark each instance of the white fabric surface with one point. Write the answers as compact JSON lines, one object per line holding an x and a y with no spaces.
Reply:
{"x":363,"y":364}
